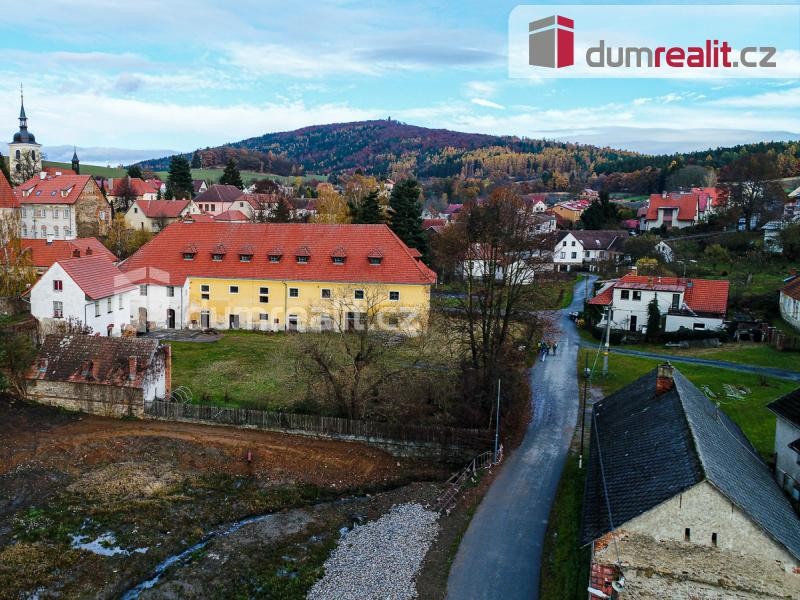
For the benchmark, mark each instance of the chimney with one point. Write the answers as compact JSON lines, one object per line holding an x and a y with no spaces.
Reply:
{"x":88,"y":251}
{"x":50,"y":238}
{"x":132,"y":368}
{"x":76,"y":253}
{"x":664,"y":380}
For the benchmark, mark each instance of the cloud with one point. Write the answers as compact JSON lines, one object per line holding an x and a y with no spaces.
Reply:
{"x":430,"y":55}
{"x":787,"y":98}
{"x":487,"y":103}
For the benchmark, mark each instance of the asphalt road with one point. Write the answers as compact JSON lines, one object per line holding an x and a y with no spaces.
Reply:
{"x":500,"y":553}
{"x":720,"y":364}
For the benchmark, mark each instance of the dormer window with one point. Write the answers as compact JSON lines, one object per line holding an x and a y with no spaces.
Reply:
{"x":375,"y":256}
{"x":275,"y":254}
{"x":189,"y":250}
{"x":217,"y":257}
{"x":302,"y":259}
{"x":338,"y":256}
{"x":246,"y":253}
{"x":188,"y":256}
{"x":218,"y":253}
{"x":303,"y":255}
{"x":245,"y":258}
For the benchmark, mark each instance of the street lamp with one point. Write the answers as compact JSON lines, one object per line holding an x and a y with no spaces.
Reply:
{"x":684,"y":265}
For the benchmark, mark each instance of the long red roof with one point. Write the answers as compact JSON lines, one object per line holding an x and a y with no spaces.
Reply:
{"x":162,"y":259}
{"x":60,"y":189}
{"x":701,"y":295}
{"x":162,"y":208}
{"x":44,"y":254}
{"x":7,"y":198}
{"x":97,"y":276}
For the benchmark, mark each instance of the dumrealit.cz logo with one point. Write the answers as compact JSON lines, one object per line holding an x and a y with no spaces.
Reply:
{"x":654,"y":41}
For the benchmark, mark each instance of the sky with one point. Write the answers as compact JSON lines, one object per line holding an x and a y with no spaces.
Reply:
{"x":132,"y":80}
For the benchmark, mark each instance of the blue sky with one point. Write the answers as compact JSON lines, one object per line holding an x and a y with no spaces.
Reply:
{"x":183,"y":74}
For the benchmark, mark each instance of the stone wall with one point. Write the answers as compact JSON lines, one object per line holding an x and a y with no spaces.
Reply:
{"x":92,"y":398}
{"x":92,"y":212}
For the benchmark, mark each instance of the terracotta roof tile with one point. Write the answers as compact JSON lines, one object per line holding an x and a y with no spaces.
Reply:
{"x":164,"y":253}
{"x":169,"y":209}
{"x":97,"y":276}
{"x":7,"y":197}
{"x":44,"y":254}
{"x":792,"y":288}
{"x":64,"y":189}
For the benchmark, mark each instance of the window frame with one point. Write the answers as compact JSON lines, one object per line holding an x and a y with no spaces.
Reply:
{"x":294,"y":292}
{"x":358,"y":294}
{"x":396,"y":296}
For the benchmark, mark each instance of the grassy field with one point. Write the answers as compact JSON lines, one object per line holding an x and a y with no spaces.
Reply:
{"x":741,"y":353}
{"x":750,"y":414}
{"x":207,"y":174}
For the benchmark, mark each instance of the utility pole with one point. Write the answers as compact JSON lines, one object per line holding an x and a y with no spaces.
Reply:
{"x":586,"y":373}
{"x":497,"y":423}
{"x":609,"y":312}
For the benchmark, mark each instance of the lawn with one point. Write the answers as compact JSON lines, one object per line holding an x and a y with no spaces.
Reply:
{"x":88,"y":169}
{"x":742,"y":353}
{"x":750,"y":414}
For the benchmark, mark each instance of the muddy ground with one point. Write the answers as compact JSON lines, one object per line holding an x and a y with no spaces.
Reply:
{"x":152,"y":489}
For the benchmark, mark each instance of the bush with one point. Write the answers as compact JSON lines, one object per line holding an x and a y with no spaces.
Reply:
{"x":684,"y":334}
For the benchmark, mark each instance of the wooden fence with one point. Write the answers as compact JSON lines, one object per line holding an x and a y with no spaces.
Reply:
{"x":782,"y":341}
{"x":398,"y":439}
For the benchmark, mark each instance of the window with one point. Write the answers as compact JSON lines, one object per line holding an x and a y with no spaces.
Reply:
{"x":245,"y":258}
{"x":587,"y":254}
{"x":637,"y":296}
{"x":714,"y":539}
{"x":58,"y":309}
{"x":263,"y":294}
{"x":188,"y":256}
{"x":676,"y":301}
{"x":263,"y":317}
{"x":697,"y":326}
{"x":338,"y":260}
{"x":294,"y":293}
{"x":687,"y":535}
{"x":55,"y":230}
{"x":119,"y":306}
{"x":135,"y":210}
{"x":110,"y":304}
{"x":58,"y":285}
{"x":143,"y":290}
{"x":66,"y":213}
{"x":375,"y":260}
{"x":170,"y":291}
{"x":573,"y":255}
{"x":572,"y":243}
{"x":394,"y":295}
{"x":234,"y":289}
{"x":17,"y":155}
{"x":274,"y":258}
{"x":302,"y":260}
{"x":625,"y":294}
{"x":358,"y":294}
{"x":102,"y":215}
{"x":96,"y":308}
{"x":564,"y":254}
{"x":564,"y":243}
{"x":217,"y":257}
{"x":24,"y":230}
{"x":326,"y":293}
{"x":67,"y":232}
{"x":55,"y":213}
{"x":205,"y":290}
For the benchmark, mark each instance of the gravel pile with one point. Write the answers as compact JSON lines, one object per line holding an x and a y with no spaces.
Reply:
{"x":379,"y":560}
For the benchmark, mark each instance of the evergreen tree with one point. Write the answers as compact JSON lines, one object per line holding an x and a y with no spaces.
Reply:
{"x":197,"y":163}
{"x":369,"y":211}
{"x":179,"y":180}
{"x":406,"y":211}
{"x":282,"y":213}
{"x":231,"y":175}
{"x":653,"y":320}
{"x":601,"y":214}
{"x":4,"y":168}
{"x":135,"y":171}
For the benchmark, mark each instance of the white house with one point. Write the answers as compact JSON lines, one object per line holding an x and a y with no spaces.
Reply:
{"x":666,"y":251}
{"x":694,"y":304}
{"x":586,"y":248}
{"x":154,"y":215}
{"x":678,"y":210}
{"x":787,"y":442}
{"x":789,"y":301}
{"x":90,"y":290}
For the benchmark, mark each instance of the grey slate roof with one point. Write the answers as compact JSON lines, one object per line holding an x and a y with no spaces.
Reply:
{"x":788,"y":407}
{"x":653,"y":448}
{"x":599,"y":239}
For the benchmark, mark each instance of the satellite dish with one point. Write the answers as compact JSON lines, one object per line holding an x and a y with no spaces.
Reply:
{"x":618,"y":586}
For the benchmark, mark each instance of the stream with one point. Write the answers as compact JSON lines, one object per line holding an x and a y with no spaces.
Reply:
{"x":184,"y":557}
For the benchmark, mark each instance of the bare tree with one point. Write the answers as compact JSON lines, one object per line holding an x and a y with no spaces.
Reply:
{"x":494,"y":247}
{"x":17,"y":272}
{"x":25,"y":167}
{"x":124,"y":195}
{"x":752,"y":189}
{"x":352,"y":359}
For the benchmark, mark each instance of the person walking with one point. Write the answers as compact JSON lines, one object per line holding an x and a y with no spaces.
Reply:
{"x":555,"y":348}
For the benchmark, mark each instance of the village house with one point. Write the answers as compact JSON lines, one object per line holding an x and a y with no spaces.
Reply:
{"x":694,"y":304}
{"x":787,"y":442}
{"x":219,"y":198}
{"x":665,"y":251}
{"x":277,"y":277}
{"x":122,"y":191}
{"x":678,"y":504}
{"x":789,"y":301}
{"x":678,"y":209}
{"x":62,"y":207}
{"x":113,"y":377}
{"x":44,"y":253}
{"x":585,"y":248}
{"x":154,"y":215}
{"x":89,"y":291}
{"x":571,"y":210}
{"x":199,"y":186}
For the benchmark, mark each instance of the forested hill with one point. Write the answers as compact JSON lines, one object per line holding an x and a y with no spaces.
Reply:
{"x":388,"y":147}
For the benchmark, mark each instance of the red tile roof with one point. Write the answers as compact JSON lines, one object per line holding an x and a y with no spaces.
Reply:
{"x":63,"y":189}
{"x":44,"y":254}
{"x":232,"y":216}
{"x":426,"y":223}
{"x":7,"y":197}
{"x":162,"y":208}
{"x":701,"y":295}
{"x":792,"y":288}
{"x":53,"y":170}
{"x":218,"y":192}
{"x":138,"y":186}
{"x":164,"y":254}
{"x":687,"y":205}
{"x":97,"y":276}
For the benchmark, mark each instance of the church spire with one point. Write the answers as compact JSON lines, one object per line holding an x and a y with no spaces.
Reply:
{"x":76,"y":164}
{"x":23,"y":120}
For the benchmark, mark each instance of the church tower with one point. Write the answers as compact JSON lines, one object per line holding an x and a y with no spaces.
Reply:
{"x":76,"y":164}
{"x":24,"y":154}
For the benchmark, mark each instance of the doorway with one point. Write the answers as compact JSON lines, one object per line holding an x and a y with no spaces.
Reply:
{"x":170,"y":318}
{"x":205,"y":319}
{"x":233,"y":322}
{"x":142,"y":326}
{"x":633,"y":323}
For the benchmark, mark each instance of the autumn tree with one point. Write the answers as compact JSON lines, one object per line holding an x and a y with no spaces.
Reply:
{"x":406,"y":214}
{"x":231,"y":175}
{"x":17,"y":272}
{"x":122,"y":239}
{"x":179,"y":180}
{"x":356,"y":188}
{"x":751,"y":187}
{"x":124,"y":195}
{"x":331,"y":206}
{"x":496,"y":249}
{"x":691,"y":176}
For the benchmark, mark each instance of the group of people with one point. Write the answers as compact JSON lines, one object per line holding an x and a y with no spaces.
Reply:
{"x":545,"y":348}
